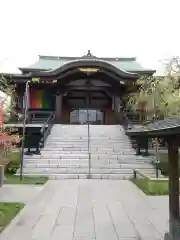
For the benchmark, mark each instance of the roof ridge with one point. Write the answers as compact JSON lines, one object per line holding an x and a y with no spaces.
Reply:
{"x":45,"y":57}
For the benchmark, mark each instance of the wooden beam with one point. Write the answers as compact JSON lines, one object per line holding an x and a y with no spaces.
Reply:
{"x":81,"y":98}
{"x":91,"y":88}
{"x":173,"y":160}
{"x":109,"y":90}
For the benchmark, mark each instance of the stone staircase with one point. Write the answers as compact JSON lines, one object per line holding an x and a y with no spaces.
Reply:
{"x":66,"y":155}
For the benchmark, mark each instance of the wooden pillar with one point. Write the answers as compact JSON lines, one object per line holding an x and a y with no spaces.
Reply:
{"x":174,"y":223}
{"x":58,"y":112}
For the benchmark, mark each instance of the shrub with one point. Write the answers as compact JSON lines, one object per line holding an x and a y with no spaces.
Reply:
{"x":8,"y":158}
{"x":163,"y":165}
{"x":8,"y":141}
{"x":13,"y":163}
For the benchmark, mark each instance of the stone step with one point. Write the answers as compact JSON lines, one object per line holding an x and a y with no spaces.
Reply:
{"x":96,"y":147}
{"x":81,"y":161}
{"x":57,"y":156}
{"x":65,"y":154}
{"x":84,"y":146}
{"x":84,"y":176}
{"x":96,"y":139}
{"x":96,"y":155}
{"x":77,"y":136}
{"x":112,"y":155}
{"x":73,"y":171}
{"x":96,"y":160}
{"x":52,"y":149}
{"x":82,"y":157}
{"x":123,"y":140}
{"x":93,"y":152}
{"x":145,"y":167}
{"x":92,"y":140}
{"x":80,"y":138}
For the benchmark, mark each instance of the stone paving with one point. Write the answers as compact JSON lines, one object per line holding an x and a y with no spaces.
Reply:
{"x":161,"y":203}
{"x":19,"y":193}
{"x":88,"y":210}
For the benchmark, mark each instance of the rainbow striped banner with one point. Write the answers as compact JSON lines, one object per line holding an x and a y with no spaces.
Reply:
{"x":42,"y":99}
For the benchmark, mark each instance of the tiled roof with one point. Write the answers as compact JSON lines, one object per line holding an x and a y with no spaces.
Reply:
{"x":168,"y":126}
{"x":52,"y":63}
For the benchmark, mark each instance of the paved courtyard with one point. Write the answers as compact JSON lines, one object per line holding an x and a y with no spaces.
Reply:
{"x":89,"y":210}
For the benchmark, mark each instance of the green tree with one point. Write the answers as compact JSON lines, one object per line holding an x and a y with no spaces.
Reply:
{"x":158,"y":96}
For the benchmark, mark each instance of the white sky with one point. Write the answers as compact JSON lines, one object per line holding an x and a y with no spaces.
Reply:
{"x":147,"y":29}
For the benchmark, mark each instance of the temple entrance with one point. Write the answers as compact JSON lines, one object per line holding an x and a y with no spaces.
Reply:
{"x":85,"y":116}
{"x":87,"y":106}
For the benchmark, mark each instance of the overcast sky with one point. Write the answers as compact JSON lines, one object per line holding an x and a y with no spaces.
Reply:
{"x":146,"y":29}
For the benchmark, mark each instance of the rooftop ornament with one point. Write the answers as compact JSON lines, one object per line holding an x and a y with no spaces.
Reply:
{"x":89,"y":55}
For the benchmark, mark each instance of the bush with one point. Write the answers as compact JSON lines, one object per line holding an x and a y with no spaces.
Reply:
{"x":9,"y":159}
{"x":13,"y":164}
{"x":164,"y":165}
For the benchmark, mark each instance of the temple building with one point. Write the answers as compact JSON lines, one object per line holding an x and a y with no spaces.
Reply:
{"x":89,"y":92}
{"x":78,"y":89}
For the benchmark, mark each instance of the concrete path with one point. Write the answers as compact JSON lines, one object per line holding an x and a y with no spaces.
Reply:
{"x":19,"y":193}
{"x":88,"y":210}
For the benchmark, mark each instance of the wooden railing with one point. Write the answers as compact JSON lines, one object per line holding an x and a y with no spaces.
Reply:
{"x":123,"y":118}
{"x":34,"y":115}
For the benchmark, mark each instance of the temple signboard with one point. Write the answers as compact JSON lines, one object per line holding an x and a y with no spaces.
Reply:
{"x":88,"y":69}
